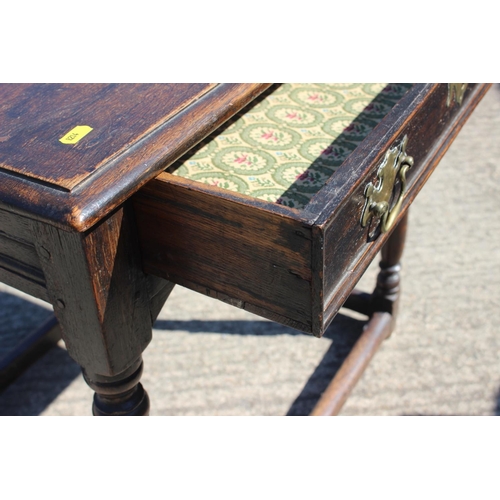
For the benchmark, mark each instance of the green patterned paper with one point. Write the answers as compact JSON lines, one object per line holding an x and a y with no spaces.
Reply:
{"x":285,"y":148}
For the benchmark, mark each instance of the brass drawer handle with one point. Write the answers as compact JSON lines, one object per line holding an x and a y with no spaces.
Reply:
{"x":377,"y":198}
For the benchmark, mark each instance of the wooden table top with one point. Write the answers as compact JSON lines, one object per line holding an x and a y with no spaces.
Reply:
{"x":69,"y":154}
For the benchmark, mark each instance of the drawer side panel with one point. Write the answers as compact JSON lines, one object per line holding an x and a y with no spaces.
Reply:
{"x":253,"y":259}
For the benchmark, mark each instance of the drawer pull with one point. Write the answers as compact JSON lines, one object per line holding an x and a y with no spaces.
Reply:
{"x":377,"y":198}
{"x":456,"y":93}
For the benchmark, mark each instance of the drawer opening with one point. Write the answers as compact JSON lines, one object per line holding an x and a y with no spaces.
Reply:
{"x":287,"y":147}
{"x":292,"y":265}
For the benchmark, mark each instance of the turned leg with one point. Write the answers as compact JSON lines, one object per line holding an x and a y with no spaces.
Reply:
{"x":385,"y":297}
{"x":105,"y":306}
{"x":119,"y":395}
{"x":382,"y":307}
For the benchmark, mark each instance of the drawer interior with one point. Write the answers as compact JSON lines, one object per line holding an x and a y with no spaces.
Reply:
{"x":291,"y":247}
{"x":285,"y":148}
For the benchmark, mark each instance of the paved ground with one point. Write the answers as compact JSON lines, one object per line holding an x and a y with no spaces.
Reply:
{"x":208,"y":358}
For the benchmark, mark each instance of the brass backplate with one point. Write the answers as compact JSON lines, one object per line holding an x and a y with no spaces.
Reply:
{"x":456,"y":93}
{"x":378,"y":197}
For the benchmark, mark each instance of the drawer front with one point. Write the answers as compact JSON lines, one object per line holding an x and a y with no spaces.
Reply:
{"x":294,"y":267}
{"x":347,"y":246}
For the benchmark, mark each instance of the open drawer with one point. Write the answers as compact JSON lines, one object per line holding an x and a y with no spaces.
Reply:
{"x":294,"y":255}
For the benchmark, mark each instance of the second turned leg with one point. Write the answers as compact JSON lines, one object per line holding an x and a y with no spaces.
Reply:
{"x":121,"y":395}
{"x":382,"y":306}
{"x":385,"y":297}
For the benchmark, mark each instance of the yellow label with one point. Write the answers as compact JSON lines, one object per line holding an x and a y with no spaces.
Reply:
{"x":75,"y":134}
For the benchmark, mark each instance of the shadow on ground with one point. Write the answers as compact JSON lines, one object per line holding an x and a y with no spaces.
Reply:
{"x":18,"y":319}
{"x":43,"y":381}
{"x":40,"y":384}
{"x":344,"y":332}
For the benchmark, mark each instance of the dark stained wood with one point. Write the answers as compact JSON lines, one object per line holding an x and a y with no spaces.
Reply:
{"x":121,"y":395}
{"x":19,"y":263}
{"x":392,"y":251}
{"x":348,"y":249}
{"x":159,"y":291}
{"x":372,"y":149}
{"x":99,"y":293}
{"x":22,"y":252}
{"x":22,"y":277}
{"x":33,"y":117}
{"x":49,"y":333}
{"x":16,"y":227}
{"x":226,"y":249}
{"x":133,"y":152}
{"x":105,"y":305}
{"x":385,"y":297}
{"x":87,"y":259}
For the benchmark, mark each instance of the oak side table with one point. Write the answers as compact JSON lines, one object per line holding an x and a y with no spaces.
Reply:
{"x":92,"y":223}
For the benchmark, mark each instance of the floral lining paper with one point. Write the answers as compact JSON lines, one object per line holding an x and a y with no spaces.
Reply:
{"x":285,"y":148}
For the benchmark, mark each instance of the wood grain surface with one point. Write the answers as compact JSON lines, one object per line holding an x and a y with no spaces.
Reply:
{"x":138,"y":130}
{"x":19,"y":263}
{"x":101,"y":297}
{"x":253,"y":258}
{"x":34,"y":117}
